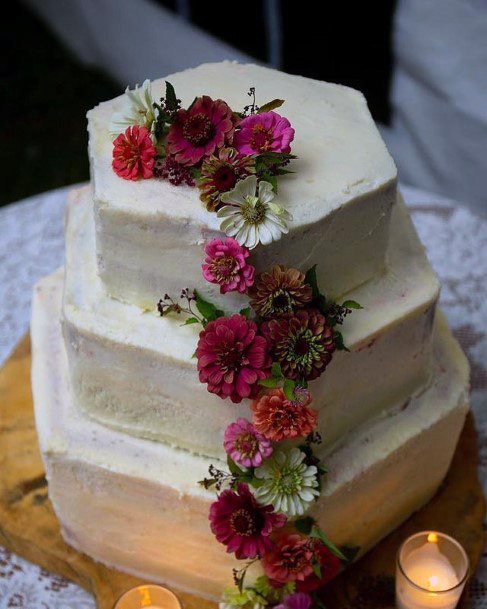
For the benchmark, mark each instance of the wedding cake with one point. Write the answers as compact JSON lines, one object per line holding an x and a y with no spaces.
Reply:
{"x":245,"y":304}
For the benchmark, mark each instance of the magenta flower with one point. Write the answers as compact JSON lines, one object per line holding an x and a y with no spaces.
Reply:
{"x":266,"y":132}
{"x":298,"y":600}
{"x":241,"y":524}
{"x":232,"y":358}
{"x":226,"y":265}
{"x":199,"y":131}
{"x":245,"y":445}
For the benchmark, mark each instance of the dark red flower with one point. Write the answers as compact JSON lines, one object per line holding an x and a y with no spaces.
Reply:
{"x":330,"y":566}
{"x":134,"y":154}
{"x":232,"y":358}
{"x":199,"y":131}
{"x":303,"y":343}
{"x":244,"y":526}
{"x":290,"y":560}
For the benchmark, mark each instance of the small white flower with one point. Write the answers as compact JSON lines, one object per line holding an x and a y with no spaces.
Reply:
{"x":247,"y":599}
{"x":252,"y":217}
{"x":137,"y":110}
{"x":288,"y":484}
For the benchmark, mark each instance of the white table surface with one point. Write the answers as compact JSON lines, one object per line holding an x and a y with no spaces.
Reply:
{"x":31,"y":245}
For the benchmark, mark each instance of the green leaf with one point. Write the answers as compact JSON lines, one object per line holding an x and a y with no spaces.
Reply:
{"x":267,"y":177}
{"x":340,"y":345}
{"x":352,"y":304}
{"x":316,"y":569}
{"x":311,"y":280}
{"x":171,"y":99}
{"x":207,"y":309}
{"x":270,"y":382}
{"x":276,"y":370}
{"x":317,"y":533}
{"x":288,"y":389}
{"x":190,"y":321}
{"x":305,"y":525}
{"x":246,"y":312}
{"x":272,"y":105}
{"x":233,"y":467}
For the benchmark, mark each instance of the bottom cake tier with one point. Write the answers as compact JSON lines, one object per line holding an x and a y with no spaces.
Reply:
{"x":136,"y":505}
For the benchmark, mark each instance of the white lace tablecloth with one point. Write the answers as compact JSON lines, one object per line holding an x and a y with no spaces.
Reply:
{"x":31,"y":245}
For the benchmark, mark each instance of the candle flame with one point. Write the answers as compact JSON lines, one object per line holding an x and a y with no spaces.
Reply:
{"x":433,"y":582}
{"x":145,"y":599}
{"x":433,"y":538}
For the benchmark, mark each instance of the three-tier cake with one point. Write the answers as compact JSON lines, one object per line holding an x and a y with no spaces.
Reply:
{"x":126,"y":429}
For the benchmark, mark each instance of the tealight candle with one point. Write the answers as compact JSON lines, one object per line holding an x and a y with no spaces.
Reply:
{"x":432,"y":569}
{"x":148,"y":597}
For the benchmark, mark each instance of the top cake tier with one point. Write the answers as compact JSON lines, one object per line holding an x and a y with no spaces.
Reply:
{"x":149,"y":233}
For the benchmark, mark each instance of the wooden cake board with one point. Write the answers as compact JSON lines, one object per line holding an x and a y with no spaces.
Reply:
{"x":28,"y":525}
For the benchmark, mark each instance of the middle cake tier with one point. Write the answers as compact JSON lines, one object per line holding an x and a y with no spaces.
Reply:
{"x":134,"y":371}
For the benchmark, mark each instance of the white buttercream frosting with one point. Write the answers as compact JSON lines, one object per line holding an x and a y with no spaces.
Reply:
{"x":150,"y":233}
{"x":135,"y":504}
{"x":135,"y":371}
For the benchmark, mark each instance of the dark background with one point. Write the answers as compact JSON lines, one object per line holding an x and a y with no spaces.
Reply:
{"x":46,"y":91}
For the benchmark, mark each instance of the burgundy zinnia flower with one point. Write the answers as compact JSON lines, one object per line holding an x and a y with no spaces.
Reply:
{"x":199,"y":131}
{"x":225,"y":264}
{"x":220,"y":172}
{"x":245,"y":445}
{"x":279,"y":292}
{"x":133,"y":154}
{"x":302,"y":343}
{"x":276,"y":418}
{"x":232,"y":357}
{"x":266,"y":132}
{"x":244,"y":526}
{"x":290,"y":560}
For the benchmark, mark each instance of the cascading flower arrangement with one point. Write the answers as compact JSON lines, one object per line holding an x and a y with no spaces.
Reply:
{"x":234,"y":158}
{"x":266,"y":353}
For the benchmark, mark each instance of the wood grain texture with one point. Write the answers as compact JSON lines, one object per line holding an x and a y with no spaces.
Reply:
{"x":28,"y":525}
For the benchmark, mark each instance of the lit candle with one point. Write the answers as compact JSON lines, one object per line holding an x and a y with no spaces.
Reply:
{"x":148,"y":597}
{"x":432,"y":569}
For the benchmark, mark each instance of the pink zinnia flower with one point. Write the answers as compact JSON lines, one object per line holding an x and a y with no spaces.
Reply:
{"x":266,"y":132}
{"x":134,"y":154}
{"x":245,"y":445}
{"x":298,"y":600}
{"x":244,"y":526}
{"x":290,"y":560}
{"x":199,"y":131}
{"x":226,"y":265}
{"x":277,"y":418}
{"x":232,"y":358}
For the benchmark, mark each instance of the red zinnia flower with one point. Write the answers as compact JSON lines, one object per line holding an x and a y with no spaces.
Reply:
{"x":330,"y":566}
{"x":277,"y":418}
{"x":244,"y":526}
{"x":290,"y":560}
{"x":199,"y":131}
{"x":232,"y":357}
{"x":134,"y":154}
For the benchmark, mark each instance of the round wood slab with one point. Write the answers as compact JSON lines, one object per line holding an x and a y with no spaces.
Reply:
{"x":28,"y":525}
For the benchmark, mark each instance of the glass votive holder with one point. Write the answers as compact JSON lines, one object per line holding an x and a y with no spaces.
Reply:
{"x":148,"y":597}
{"x":431,"y":572}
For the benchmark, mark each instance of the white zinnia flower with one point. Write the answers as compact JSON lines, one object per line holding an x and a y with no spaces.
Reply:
{"x":251,"y":217}
{"x":137,"y":110}
{"x":288,"y":484}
